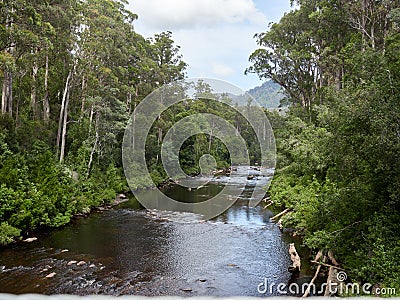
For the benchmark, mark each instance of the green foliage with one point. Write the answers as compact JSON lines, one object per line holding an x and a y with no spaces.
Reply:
{"x":82,"y":63}
{"x":268,"y":95}
{"x":7,"y":233}
{"x":338,"y":146}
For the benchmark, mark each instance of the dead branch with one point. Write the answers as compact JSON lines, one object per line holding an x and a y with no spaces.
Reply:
{"x":294,"y":256}
{"x":307,"y":292}
{"x":326,"y":265}
{"x":281,"y":214}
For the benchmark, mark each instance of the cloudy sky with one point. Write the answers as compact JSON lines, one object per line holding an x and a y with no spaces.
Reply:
{"x":216,"y":36}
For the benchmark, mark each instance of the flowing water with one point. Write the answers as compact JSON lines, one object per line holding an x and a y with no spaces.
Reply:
{"x":130,"y":250}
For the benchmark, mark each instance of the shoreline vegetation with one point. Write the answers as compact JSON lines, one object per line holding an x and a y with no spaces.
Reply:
{"x":338,"y":144}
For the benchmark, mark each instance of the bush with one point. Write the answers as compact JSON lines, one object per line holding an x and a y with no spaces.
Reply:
{"x":8,"y":233}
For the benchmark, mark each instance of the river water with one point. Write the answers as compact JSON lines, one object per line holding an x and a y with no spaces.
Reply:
{"x":130,"y":250}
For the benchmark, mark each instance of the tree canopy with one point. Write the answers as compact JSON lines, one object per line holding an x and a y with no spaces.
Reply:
{"x":339,"y":144}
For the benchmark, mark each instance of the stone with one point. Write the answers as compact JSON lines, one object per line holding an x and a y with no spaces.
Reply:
{"x":51,"y":275}
{"x":72,"y":262}
{"x":30,"y":240}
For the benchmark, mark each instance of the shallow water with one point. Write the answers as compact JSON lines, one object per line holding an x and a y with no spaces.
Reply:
{"x":130,"y":250}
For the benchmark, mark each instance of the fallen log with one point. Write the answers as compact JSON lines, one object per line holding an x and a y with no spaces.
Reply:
{"x":311,"y":284}
{"x":268,"y":203}
{"x":332,"y":258}
{"x":281,"y":214}
{"x":318,"y":256}
{"x":326,"y":265}
{"x":296,"y":260}
{"x":332,"y":279}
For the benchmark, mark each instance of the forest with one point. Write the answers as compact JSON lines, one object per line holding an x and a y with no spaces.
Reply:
{"x":72,"y":73}
{"x":338,"y":168}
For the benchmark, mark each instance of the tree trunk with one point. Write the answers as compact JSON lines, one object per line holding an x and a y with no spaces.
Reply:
{"x":83,"y":96}
{"x":10,"y":95}
{"x":63,"y":111}
{"x":94,"y":147}
{"x":64,"y":129}
{"x":211,"y":137}
{"x":7,"y":96}
{"x":91,"y":118}
{"x":46,"y":105}
{"x":4,"y":94}
{"x":35,"y":69}
{"x":128,"y":102}
{"x":133,"y":127}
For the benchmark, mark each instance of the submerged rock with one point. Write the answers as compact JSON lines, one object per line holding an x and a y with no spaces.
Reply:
{"x":81,"y":263}
{"x":51,"y":275}
{"x":30,"y":240}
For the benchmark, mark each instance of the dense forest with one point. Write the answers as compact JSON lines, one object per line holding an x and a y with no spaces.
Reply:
{"x":72,"y":73}
{"x":338,"y":168}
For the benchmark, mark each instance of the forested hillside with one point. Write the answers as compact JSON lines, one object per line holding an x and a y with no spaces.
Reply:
{"x":268,"y":95}
{"x":339,"y":145}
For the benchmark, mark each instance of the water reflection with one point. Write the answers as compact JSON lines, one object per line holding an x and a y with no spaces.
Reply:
{"x":147,"y":252}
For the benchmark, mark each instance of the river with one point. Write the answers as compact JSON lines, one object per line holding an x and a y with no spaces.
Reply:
{"x":130,"y":250}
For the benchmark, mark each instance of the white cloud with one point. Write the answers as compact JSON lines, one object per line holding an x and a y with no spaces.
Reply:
{"x":221,"y":70}
{"x":178,"y":14}
{"x":216,"y":36}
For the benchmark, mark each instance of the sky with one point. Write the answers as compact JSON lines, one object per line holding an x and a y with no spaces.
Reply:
{"x":215,"y":36}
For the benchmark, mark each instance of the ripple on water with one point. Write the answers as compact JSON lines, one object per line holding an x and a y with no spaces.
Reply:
{"x":150,"y":252}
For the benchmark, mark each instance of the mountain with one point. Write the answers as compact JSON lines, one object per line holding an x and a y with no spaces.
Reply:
{"x":268,"y":94}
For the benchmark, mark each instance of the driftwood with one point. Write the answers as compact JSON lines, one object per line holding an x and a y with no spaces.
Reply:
{"x":268,"y":203}
{"x":307,"y":292}
{"x":280,"y":224}
{"x":326,"y":265}
{"x":281,"y":214}
{"x":332,"y":258}
{"x":318,"y":256}
{"x":296,"y":261}
{"x":332,"y":279}
{"x":332,"y":275}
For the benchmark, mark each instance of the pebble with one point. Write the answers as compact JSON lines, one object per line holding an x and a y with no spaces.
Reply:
{"x":92,"y":266}
{"x":51,"y":275}
{"x":81,"y":263}
{"x":71,"y":262}
{"x":30,"y":240}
